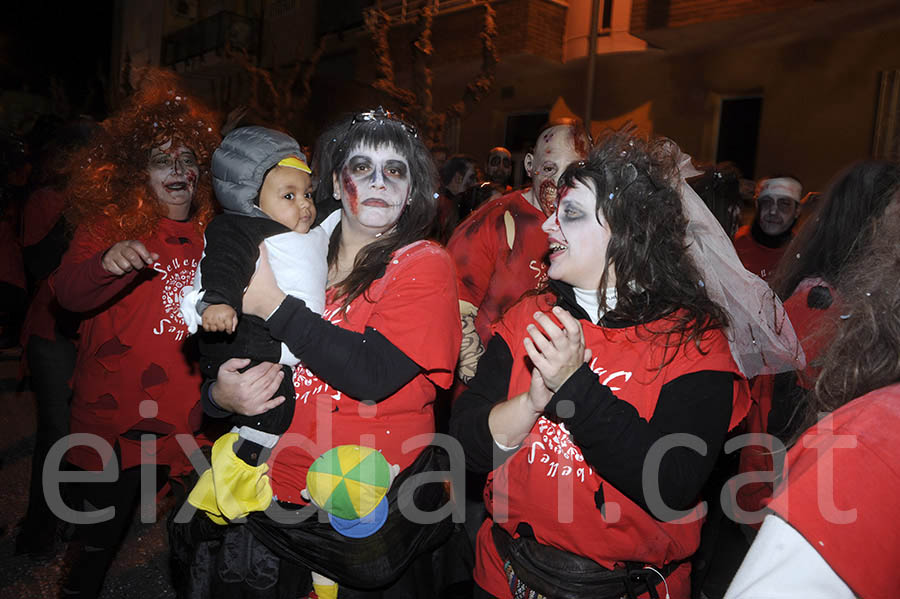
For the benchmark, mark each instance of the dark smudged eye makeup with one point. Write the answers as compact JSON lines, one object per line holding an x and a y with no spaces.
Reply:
{"x":361,"y":165}
{"x":569,"y":210}
{"x":395,"y":168}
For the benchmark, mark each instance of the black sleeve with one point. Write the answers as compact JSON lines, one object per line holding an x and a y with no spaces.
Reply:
{"x":615,"y":440}
{"x":788,"y":400}
{"x":210,"y":407}
{"x":469,"y":419}
{"x":230,"y":254}
{"x":366,"y":366}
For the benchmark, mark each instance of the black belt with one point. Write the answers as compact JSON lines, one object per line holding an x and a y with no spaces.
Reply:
{"x":537,"y":571}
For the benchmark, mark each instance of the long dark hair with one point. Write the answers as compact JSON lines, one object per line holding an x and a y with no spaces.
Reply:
{"x":636,"y":189}
{"x":841,"y":227}
{"x":719,"y":188}
{"x":865,"y":354}
{"x":377,"y":128}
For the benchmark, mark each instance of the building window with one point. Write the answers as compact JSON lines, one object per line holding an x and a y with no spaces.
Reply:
{"x":606,"y":16}
{"x":739,"y":119}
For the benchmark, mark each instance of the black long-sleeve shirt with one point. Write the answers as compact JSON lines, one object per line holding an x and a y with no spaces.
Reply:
{"x":365,"y":366}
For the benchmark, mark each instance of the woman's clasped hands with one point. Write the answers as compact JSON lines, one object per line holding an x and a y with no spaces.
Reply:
{"x":555,"y":352}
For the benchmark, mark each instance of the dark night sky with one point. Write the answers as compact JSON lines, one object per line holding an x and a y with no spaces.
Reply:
{"x":40,"y":39}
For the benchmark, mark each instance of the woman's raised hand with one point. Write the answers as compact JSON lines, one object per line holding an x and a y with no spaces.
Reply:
{"x":556,"y":352}
{"x":263,"y":296}
{"x":249,"y":392}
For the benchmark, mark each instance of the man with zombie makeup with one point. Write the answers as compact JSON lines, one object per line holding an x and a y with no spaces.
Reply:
{"x":498,"y":167}
{"x":761,"y":245}
{"x":140,"y":198}
{"x":499,"y":250}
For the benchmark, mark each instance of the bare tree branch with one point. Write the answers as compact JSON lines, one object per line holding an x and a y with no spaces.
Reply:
{"x":378,"y":24}
{"x":420,"y":102}
{"x":481,"y":85}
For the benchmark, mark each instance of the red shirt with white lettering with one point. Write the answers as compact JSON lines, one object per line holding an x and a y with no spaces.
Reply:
{"x":414,"y":306}
{"x":548,"y":484}
{"x":842,"y":491}
{"x":499,"y":252}
{"x":132,"y":373}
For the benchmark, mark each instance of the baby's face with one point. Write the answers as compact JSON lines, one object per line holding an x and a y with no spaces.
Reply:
{"x":286,"y":196}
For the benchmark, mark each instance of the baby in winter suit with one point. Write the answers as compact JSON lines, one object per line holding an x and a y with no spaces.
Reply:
{"x":261,"y":178}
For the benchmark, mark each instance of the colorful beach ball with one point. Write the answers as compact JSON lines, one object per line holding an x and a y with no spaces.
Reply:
{"x":350,"y":483}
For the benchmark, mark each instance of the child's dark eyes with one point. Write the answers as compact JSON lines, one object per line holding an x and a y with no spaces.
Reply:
{"x":308,"y":195}
{"x":289,"y":196}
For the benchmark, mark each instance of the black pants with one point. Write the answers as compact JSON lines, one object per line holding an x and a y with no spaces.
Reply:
{"x":99,"y":542}
{"x":51,"y":364}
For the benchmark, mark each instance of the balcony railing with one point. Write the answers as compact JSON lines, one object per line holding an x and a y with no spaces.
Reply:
{"x":407,"y":10}
{"x":211,"y":34}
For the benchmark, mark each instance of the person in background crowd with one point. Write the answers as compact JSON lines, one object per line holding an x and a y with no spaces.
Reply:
{"x":761,"y":244}
{"x":838,"y":233}
{"x":830,"y":532}
{"x":140,"y":197}
{"x":458,"y":176}
{"x":439,"y":153}
{"x":49,"y":332}
{"x":625,"y":347}
{"x":498,"y":168}
{"x":13,"y":282}
{"x":499,"y":250}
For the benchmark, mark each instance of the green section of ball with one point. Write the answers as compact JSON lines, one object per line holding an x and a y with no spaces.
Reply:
{"x":349,"y":481}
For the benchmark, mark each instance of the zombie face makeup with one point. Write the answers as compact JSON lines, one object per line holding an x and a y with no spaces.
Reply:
{"x":286,"y":196}
{"x":778,"y":204}
{"x":777,"y":213}
{"x":173,"y":173}
{"x":374,"y":187}
{"x":499,"y":166}
{"x":554,"y":151}
{"x":578,"y":235}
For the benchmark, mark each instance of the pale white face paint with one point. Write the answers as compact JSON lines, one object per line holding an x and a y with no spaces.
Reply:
{"x":173,"y":173}
{"x":578,"y":235}
{"x":374,"y":187}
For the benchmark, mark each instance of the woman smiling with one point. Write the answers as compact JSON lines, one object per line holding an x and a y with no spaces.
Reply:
{"x":581,"y":386}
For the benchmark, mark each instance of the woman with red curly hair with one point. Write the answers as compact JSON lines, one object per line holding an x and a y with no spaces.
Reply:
{"x":140,"y":199}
